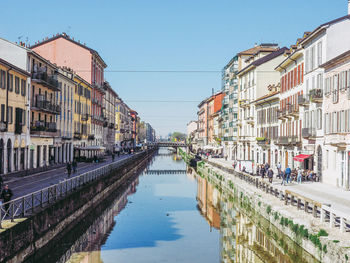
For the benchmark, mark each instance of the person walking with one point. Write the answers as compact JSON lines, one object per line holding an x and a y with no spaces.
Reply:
{"x":75,"y":166}
{"x":270,"y":175}
{"x":267,"y":166}
{"x":283,"y":176}
{"x":299,"y":176}
{"x":6,"y":196}
{"x":288,"y":172}
{"x":257,"y":169}
{"x":279,"y":168}
{"x":69,"y":169}
{"x":262,"y":171}
{"x":113,"y":156}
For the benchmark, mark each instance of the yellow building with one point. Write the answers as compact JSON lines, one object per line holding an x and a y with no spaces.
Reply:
{"x":83,"y":137}
{"x":14,"y":132}
{"x":43,"y":111}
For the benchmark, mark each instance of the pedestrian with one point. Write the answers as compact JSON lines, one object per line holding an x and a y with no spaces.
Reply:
{"x":288,"y":171}
{"x":267,"y":166}
{"x":6,"y":197}
{"x":283,"y":175}
{"x":270,"y":175}
{"x":69,"y":169}
{"x":262,"y":171}
{"x":257,"y":169}
{"x":95,"y":159}
{"x":279,"y":169}
{"x":299,"y":176}
{"x":225,"y":157}
{"x":113,"y":156}
{"x":75,"y":166}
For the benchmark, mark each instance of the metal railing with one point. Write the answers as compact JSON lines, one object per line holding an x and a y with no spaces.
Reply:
{"x":28,"y":204}
{"x":323,"y":212}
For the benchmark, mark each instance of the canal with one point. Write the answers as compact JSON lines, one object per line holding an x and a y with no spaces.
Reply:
{"x":166,"y":217}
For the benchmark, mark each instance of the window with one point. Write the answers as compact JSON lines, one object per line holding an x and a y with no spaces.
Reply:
{"x":307,"y":61}
{"x":9,"y":114}
{"x":335,"y":89}
{"x":11,"y":83}
{"x":312,"y":59}
{"x":319,"y":119}
{"x":17,"y":85}
{"x":320,"y":81}
{"x":23,"y":87}
{"x":319,"y":53}
{"x":3,"y":112}
{"x":2,"y":79}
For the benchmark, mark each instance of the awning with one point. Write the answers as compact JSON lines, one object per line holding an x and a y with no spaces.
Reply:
{"x":301,"y":157}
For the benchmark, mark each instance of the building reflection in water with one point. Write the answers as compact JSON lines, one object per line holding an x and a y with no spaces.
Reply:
{"x":242,"y":235}
{"x":87,"y":249}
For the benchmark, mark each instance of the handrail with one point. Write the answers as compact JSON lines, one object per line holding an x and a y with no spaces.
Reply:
{"x":27,"y":204}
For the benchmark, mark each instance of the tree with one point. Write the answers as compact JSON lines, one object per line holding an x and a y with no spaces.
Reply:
{"x":178,"y":136}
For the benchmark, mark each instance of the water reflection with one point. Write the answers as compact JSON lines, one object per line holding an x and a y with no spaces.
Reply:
{"x":173,"y":218}
{"x":245,"y":236}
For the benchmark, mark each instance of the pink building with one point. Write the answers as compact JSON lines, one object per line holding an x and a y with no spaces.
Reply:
{"x":87,"y":63}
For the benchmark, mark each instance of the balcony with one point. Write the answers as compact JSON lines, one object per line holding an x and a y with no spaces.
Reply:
{"x":85,"y":117}
{"x":308,"y":133}
{"x":42,"y":129}
{"x":44,"y":79}
{"x":77,"y":135}
{"x":263,"y":141}
{"x":98,"y":87}
{"x":244,"y":103}
{"x":288,"y":140}
{"x":45,"y":105}
{"x":316,"y":95}
{"x":281,"y":114}
{"x":293,"y":111}
{"x":66,"y":136}
{"x":250,"y":119}
{"x":303,"y":100}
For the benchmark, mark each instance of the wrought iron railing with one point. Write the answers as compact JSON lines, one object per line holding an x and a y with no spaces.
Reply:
{"x":28,"y":204}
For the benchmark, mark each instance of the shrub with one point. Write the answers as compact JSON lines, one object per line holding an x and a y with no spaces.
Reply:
{"x":324,"y":248}
{"x":276,"y":216}
{"x":259,"y":203}
{"x":336,"y":241}
{"x":268,"y":209}
{"x":346,"y":257}
{"x":322,"y":233}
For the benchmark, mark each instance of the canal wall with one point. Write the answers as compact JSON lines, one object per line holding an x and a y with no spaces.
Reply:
{"x":27,"y":237}
{"x":303,"y":229}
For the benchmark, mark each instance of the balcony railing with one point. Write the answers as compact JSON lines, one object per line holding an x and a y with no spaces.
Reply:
{"x":292,"y":110}
{"x":46,"y":80}
{"x":85,"y":117}
{"x":43,"y":129}
{"x":45,"y":105}
{"x":316,"y":95}
{"x":308,"y":133}
{"x":288,"y":140}
{"x":263,"y":141}
{"x":281,"y":113}
{"x":303,"y":100}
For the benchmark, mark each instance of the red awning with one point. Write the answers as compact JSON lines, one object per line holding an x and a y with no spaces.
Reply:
{"x":301,"y":157}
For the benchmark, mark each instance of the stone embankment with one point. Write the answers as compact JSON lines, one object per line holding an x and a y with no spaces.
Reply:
{"x":27,"y":237}
{"x":305,"y":227}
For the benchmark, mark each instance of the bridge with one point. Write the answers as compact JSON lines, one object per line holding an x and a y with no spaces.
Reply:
{"x":167,"y":144}
{"x":166,"y":172}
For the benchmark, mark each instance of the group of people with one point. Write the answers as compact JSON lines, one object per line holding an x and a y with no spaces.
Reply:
{"x":265,"y":170}
{"x":72,"y":166}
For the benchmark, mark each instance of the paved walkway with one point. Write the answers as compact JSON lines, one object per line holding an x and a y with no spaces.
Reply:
{"x":338,"y":198}
{"x":28,"y":184}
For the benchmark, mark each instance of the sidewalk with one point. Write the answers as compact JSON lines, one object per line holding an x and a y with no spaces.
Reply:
{"x":338,"y":198}
{"x":31,"y":183}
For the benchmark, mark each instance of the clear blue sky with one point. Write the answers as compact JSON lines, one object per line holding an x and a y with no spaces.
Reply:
{"x":167,"y":35}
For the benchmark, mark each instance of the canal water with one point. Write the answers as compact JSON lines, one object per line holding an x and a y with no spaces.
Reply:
{"x":165,"y":217}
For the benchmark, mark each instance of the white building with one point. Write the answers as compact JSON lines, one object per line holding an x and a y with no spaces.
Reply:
{"x":336,"y":106}
{"x":326,"y":42}
{"x":254,"y":80}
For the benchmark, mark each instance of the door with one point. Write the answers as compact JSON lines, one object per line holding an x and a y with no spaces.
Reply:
{"x":269,"y":157}
{"x":286,"y":159}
